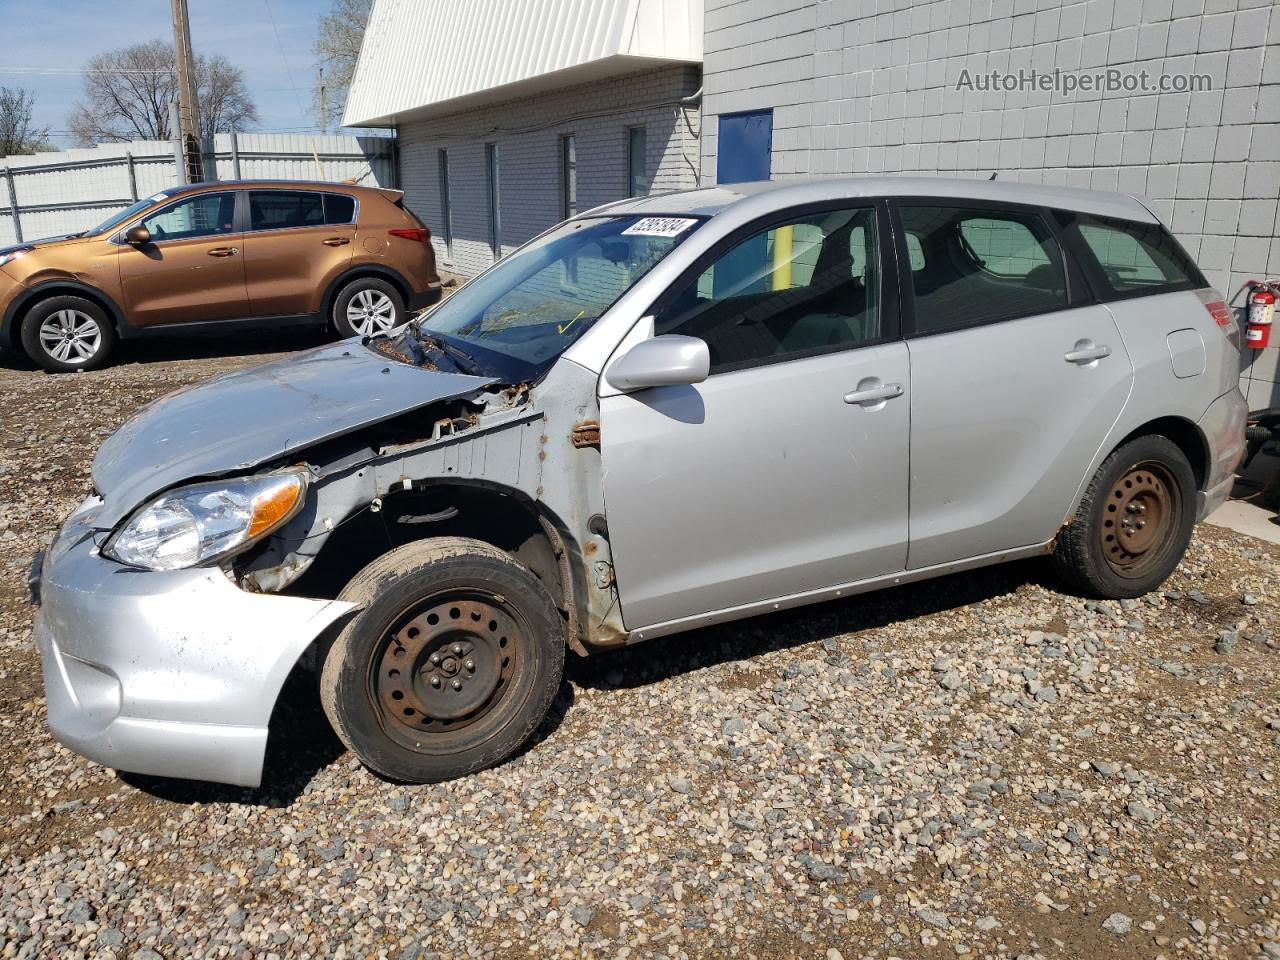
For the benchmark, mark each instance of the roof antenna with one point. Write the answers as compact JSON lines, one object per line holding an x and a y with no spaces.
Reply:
{"x":993,"y":176}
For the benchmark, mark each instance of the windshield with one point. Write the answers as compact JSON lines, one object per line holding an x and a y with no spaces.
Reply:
{"x":116,"y":219}
{"x":515,"y":320}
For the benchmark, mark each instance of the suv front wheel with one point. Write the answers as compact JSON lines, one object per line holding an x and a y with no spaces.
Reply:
{"x":68,"y":333}
{"x":367,"y":307}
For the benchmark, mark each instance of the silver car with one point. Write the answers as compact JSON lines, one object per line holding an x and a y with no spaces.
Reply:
{"x":665,"y":413}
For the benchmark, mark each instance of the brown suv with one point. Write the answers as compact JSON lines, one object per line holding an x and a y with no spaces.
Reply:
{"x":208,"y":255}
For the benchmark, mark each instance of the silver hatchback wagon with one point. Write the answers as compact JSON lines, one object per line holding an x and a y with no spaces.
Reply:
{"x":664,"y":413}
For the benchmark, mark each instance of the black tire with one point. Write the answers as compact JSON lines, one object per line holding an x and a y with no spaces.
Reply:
{"x":378,"y":678}
{"x":90,"y":335}
{"x":1133,"y":524}
{"x":376,"y":292}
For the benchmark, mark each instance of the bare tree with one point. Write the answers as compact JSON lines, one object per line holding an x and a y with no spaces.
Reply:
{"x":337,"y":49}
{"x":17,"y":133}
{"x":127,"y":94}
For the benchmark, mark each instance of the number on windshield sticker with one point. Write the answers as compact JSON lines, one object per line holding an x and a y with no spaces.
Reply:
{"x":658,"y":227}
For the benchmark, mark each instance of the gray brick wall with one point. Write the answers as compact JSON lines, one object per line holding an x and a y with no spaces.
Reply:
{"x":870,"y":87}
{"x":527,"y":132}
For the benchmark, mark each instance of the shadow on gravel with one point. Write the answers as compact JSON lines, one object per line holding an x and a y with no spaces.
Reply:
{"x":300,"y":743}
{"x":657,"y":660}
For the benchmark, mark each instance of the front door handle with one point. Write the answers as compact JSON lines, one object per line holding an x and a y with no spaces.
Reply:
{"x":335,"y":241}
{"x":224,"y":251}
{"x":1086,"y":352}
{"x":871,"y":392}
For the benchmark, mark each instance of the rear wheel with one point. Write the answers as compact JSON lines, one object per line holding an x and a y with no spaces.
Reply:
{"x":68,"y":333}
{"x":450,"y":665}
{"x":1134,"y":522}
{"x":366,"y":307}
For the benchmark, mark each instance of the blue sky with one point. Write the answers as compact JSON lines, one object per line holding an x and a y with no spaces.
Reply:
{"x":42,"y":36}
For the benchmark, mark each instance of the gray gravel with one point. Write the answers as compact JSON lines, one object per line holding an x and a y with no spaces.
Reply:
{"x":976,"y":766}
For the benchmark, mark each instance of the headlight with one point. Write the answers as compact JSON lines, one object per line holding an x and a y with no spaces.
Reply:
{"x":207,"y":521}
{"x":12,"y":255}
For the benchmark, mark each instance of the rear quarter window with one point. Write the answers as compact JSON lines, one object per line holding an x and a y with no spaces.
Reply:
{"x":1133,"y":258}
{"x":339,"y":209}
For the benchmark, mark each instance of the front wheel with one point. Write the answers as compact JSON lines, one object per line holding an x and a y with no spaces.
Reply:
{"x":450,"y":665}
{"x":68,"y":333}
{"x":1134,"y":523}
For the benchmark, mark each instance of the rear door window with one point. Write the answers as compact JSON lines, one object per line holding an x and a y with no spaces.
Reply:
{"x":283,"y":209}
{"x":971,"y":265}
{"x":339,"y":209}
{"x":1134,"y":257}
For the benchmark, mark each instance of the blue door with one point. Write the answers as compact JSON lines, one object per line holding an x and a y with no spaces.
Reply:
{"x":745,"y":146}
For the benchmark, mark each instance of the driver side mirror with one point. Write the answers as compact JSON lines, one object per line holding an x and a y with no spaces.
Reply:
{"x":665,"y":361}
{"x":137,"y":235}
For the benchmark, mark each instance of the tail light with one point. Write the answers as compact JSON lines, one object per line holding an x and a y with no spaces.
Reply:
{"x":1221,"y":313}
{"x":420,"y":234}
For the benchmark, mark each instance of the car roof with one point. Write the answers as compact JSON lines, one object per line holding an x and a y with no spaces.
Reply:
{"x":328,"y":185}
{"x":777,"y":194}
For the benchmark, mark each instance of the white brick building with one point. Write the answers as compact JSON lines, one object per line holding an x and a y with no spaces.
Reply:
{"x":832,"y":87}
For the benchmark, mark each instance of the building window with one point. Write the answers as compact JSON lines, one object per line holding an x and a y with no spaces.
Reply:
{"x":495,"y":211}
{"x":744,"y":147}
{"x":446,"y":203}
{"x":637,"y":163}
{"x":568,"y":177}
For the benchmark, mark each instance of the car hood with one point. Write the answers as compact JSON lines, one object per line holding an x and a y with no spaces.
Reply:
{"x":43,"y":242}
{"x":238,"y":421}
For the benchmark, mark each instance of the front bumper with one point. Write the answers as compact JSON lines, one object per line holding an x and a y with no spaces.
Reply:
{"x":172,"y":674}
{"x":1223,"y":426}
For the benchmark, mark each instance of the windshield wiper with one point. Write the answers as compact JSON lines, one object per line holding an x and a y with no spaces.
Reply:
{"x":448,"y":347}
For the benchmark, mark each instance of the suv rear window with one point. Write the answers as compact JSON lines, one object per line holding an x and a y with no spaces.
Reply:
{"x":1135,"y":257}
{"x":281,"y":209}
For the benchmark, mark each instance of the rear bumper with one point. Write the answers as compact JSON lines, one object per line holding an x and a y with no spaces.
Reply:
{"x":428,"y":297}
{"x":172,"y":674}
{"x":1223,"y":426}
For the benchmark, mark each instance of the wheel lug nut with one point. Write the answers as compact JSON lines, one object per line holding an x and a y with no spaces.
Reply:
{"x":435,"y":659}
{"x":457,"y":648}
{"x":457,"y":684}
{"x":470,"y":665}
{"x":435,"y":681}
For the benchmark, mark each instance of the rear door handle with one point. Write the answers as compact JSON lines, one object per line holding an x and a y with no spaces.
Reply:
{"x":871,"y":391}
{"x":1086,"y":352}
{"x":335,"y":241}
{"x":224,"y":251}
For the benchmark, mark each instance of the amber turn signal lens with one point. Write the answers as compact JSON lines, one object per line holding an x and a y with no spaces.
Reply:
{"x":274,"y":505}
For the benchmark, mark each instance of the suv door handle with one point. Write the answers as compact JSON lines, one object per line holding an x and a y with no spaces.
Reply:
{"x":335,"y":241}
{"x":871,"y":392}
{"x":1086,"y":352}
{"x":224,"y":251}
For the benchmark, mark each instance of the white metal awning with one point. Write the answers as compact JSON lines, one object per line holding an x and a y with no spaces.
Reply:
{"x":424,"y":58}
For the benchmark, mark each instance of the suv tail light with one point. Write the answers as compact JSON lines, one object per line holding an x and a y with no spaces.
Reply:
{"x":420,"y":234}
{"x":1217,"y":306}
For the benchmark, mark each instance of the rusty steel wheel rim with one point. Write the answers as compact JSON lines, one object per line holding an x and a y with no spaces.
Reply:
{"x":1140,"y":513}
{"x":444,"y":666}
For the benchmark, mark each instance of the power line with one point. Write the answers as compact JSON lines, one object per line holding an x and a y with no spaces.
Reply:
{"x":284,"y":58}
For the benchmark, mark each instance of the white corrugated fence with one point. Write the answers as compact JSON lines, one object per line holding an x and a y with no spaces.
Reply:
{"x":72,"y":190}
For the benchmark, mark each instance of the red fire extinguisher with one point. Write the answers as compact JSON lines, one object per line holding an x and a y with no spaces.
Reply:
{"x":1262,"y":309}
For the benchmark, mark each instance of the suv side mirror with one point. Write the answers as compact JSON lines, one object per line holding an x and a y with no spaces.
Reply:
{"x":664,"y":361}
{"x":137,"y":235}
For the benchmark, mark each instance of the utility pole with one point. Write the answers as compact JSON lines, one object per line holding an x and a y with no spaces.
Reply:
{"x":324,"y":120}
{"x":188,"y":106}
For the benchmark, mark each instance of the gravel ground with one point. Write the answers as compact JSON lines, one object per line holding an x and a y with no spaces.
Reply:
{"x":978,"y":766}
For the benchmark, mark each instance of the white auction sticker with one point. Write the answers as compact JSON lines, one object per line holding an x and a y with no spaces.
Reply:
{"x":158,"y":197}
{"x":659,"y":227}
